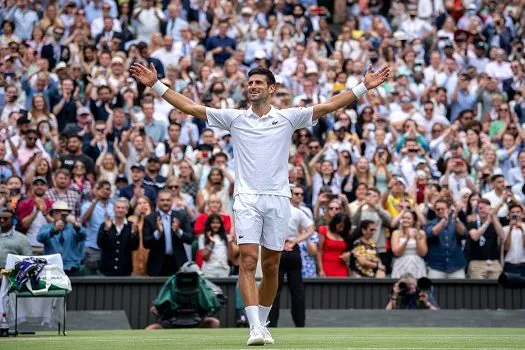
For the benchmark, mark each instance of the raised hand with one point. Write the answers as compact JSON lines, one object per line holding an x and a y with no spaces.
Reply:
{"x":147,"y":76}
{"x":374,"y":79}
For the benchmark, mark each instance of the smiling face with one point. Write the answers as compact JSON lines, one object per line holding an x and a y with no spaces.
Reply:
{"x":258,"y":89}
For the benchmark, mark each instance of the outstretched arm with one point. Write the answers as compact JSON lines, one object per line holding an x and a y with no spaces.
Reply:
{"x":148,"y":77}
{"x":372,"y":80}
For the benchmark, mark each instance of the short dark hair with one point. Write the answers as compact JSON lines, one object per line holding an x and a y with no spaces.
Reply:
{"x":364,"y":225}
{"x":270,"y":78}
{"x":103,"y":183}
{"x":176,"y":124}
{"x":515,"y":205}
{"x":495,"y":177}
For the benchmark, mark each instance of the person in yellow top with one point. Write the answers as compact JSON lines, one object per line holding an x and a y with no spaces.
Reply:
{"x":395,"y":196}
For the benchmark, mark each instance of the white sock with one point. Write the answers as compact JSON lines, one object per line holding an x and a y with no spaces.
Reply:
{"x":252,"y":312}
{"x":264,"y":311}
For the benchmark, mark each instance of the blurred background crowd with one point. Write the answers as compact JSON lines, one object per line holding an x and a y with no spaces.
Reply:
{"x":424,"y":175}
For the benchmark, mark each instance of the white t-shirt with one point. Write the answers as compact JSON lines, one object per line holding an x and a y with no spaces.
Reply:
{"x":298,"y":220}
{"x":516,"y":254}
{"x":261,"y":146}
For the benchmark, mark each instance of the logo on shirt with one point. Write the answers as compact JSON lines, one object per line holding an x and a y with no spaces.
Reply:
{"x":275,"y":122}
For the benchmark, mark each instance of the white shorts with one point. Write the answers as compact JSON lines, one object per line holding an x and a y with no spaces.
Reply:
{"x":261,"y":219}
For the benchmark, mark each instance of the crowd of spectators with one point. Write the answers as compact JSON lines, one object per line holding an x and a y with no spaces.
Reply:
{"x":424,"y":175}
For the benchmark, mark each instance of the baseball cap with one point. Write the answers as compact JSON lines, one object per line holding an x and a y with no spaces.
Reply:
{"x":137,"y":166}
{"x":83,"y":110}
{"x":60,"y":66}
{"x":401,"y":180}
{"x":153,"y":158}
{"x":260,"y":55}
{"x":121,"y":177}
{"x":41,"y":179}
{"x":117,"y":59}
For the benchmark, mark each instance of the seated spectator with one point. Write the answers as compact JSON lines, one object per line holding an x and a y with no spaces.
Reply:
{"x":483,"y":248}
{"x":216,"y":247}
{"x":142,"y":209}
{"x":334,"y":247}
{"x":64,"y":236}
{"x":445,"y":254}
{"x":117,"y":239}
{"x":11,"y":241}
{"x":514,"y":241}
{"x":409,"y":246}
{"x":365,"y":257}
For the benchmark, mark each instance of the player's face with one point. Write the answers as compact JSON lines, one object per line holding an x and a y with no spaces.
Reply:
{"x":258,"y":89}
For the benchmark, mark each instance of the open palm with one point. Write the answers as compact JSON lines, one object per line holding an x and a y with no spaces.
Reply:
{"x":374,"y":79}
{"x":147,"y":76}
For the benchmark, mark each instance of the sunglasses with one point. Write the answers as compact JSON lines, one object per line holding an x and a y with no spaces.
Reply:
{"x":100,"y":130}
{"x":174,"y":187}
{"x":298,"y":194}
{"x":436,"y":131}
{"x":334,"y":208}
{"x":314,"y":147}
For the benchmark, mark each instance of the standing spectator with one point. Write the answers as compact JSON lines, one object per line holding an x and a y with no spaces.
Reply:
{"x":445,"y":255}
{"x":409,"y":246}
{"x":137,"y":187}
{"x":484,"y":234}
{"x":117,"y":239}
{"x":75,"y":153}
{"x":153,"y":177}
{"x":175,"y":22}
{"x":149,"y":19}
{"x":334,"y":247}
{"x":366,"y":262}
{"x":221,"y":46}
{"x":62,"y":192}
{"x":514,"y":242}
{"x":300,"y":228}
{"x":216,"y":247}
{"x":165,"y":231}
{"x":11,"y":241}
{"x":33,"y":213}
{"x":213,"y":206}
{"x":371,"y":210}
{"x":498,"y":195}
{"x":24,"y":18}
{"x":64,"y":236}
{"x":93,"y":215}
{"x":140,"y":256}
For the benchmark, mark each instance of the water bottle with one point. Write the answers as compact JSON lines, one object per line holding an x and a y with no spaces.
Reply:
{"x":4,"y":326}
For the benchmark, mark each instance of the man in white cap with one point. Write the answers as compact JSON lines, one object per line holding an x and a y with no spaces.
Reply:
{"x":64,"y":236}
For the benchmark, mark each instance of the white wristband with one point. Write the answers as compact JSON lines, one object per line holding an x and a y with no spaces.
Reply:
{"x":359,"y":90}
{"x":159,"y":88}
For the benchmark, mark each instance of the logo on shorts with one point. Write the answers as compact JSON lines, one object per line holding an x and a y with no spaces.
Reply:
{"x":241,"y":237}
{"x":275,"y":122}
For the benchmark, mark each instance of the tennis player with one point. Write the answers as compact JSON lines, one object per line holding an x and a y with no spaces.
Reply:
{"x":261,"y":137}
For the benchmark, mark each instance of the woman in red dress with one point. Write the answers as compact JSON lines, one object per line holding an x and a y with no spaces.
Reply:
{"x":334,"y":247}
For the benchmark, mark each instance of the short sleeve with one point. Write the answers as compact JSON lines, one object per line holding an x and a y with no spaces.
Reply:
{"x":305,"y":221}
{"x":221,"y":118}
{"x":300,"y":117}
{"x":322,"y":230}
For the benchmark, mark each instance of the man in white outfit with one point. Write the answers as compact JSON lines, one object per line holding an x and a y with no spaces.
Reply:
{"x":262,"y":136}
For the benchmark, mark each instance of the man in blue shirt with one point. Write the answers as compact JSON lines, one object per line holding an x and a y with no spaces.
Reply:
{"x":221,"y":46}
{"x":93,"y":215}
{"x":64,"y":236}
{"x":462,"y":99}
{"x":445,"y":255}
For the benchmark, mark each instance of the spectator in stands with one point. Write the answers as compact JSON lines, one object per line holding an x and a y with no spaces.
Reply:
{"x":33,"y":213}
{"x":11,"y":241}
{"x":65,"y":236}
{"x":140,"y":256}
{"x":165,"y":231}
{"x":62,"y":192}
{"x":365,"y":257}
{"x":484,"y":234}
{"x":137,"y":187}
{"x":445,"y":256}
{"x":213,"y":206}
{"x":93,"y":214}
{"x":371,"y":210}
{"x":334,"y":247}
{"x":217,"y":248}
{"x":117,"y":239}
{"x":409,"y":246}
{"x":514,"y":241}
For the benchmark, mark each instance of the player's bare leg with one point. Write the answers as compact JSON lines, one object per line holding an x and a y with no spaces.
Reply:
{"x":268,"y":288}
